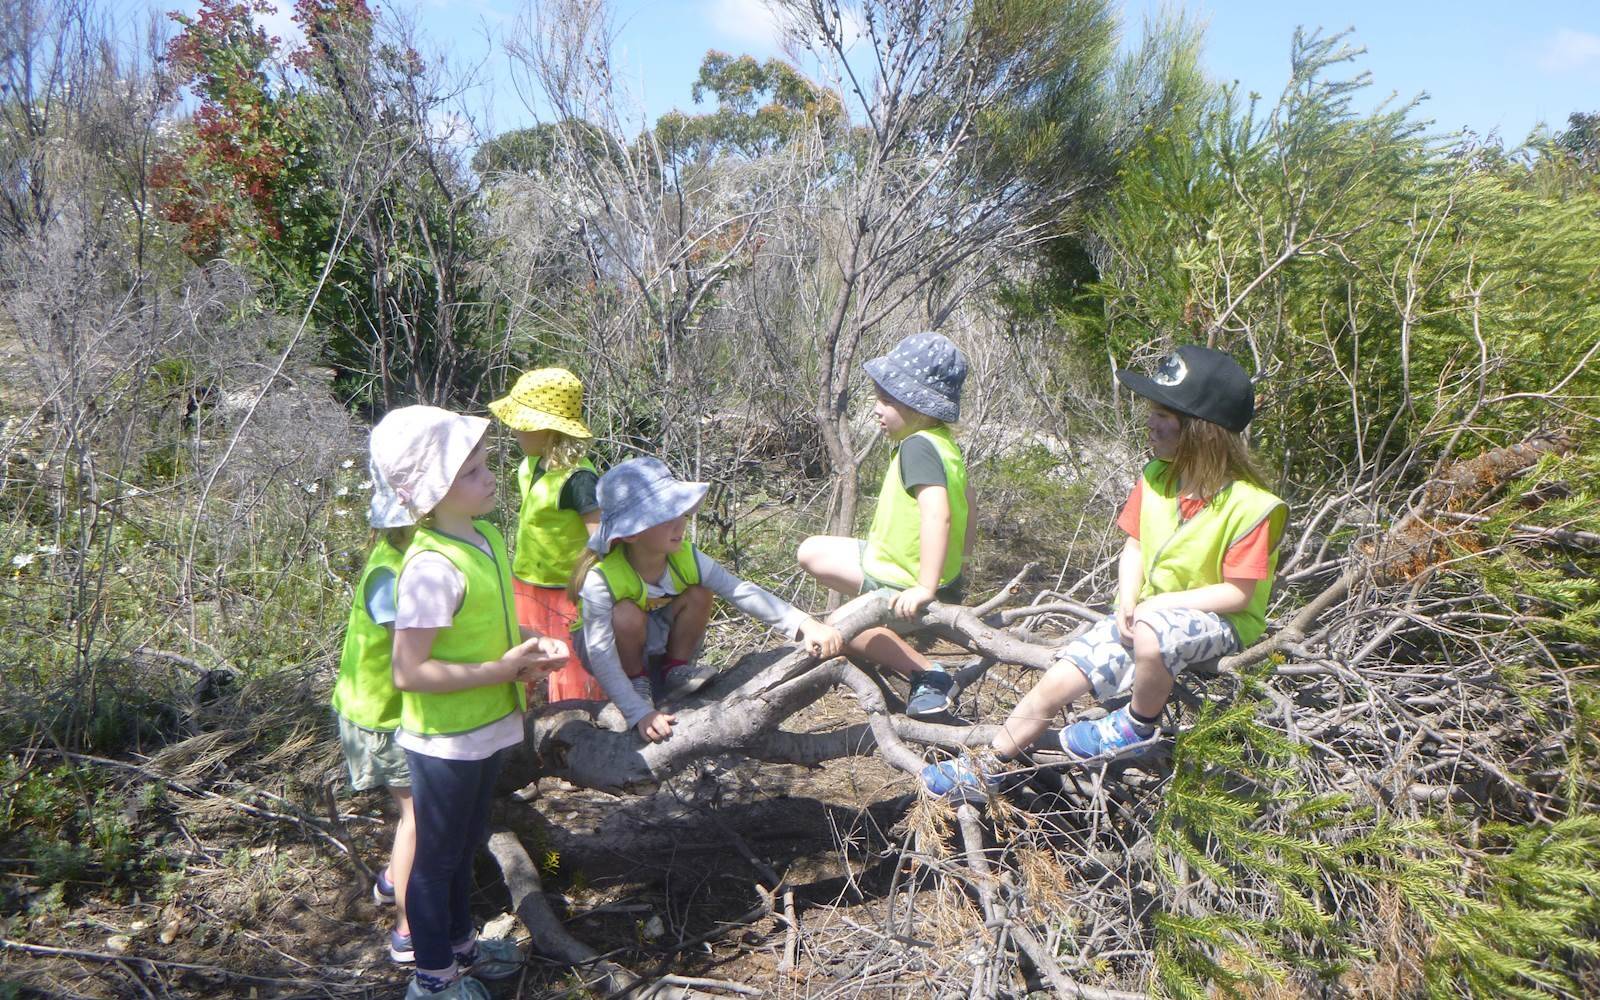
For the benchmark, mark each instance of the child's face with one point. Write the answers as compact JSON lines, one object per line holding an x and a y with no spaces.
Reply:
{"x":534,"y":443}
{"x":472,"y":493}
{"x":662,"y":539}
{"x":898,"y":420}
{"x":1164,"y":427}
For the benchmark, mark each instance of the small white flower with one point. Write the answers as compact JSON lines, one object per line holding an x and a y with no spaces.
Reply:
{"x":49,"y":550}
{"x":348,"y":463}
{"x":40,"y":466}
{"x":311,"y":488}
{"x":343,"y":491}
{"x":24,"y":560}
{"x":122,"y":571}
{"x":365,"y":484}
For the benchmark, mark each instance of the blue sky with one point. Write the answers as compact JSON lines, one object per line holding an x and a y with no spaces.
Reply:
{"x":1486,"y":66}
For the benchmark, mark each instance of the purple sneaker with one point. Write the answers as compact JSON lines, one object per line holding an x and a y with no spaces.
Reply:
{"x":400,"y":950}
{"x":1114,"y":737}
{"x":964,"y":778}
{"x":383,"y":889}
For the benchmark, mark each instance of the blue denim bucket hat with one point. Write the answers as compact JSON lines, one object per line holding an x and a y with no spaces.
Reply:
{"x":637,"y":495}
{"x":925,"y":372}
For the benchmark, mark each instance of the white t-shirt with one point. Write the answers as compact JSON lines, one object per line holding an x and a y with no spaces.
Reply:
{"x":428,"y":595}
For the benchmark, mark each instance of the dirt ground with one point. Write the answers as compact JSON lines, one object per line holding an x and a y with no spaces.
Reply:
{"x":258,"y":906}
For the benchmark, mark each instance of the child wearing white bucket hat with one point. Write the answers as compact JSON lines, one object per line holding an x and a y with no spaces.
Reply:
{"x":924,"y":524}
{"x":366,"y":705}
{"x":460,"y":662}
{"x":558,"y":512}
{"x":645,"y":595}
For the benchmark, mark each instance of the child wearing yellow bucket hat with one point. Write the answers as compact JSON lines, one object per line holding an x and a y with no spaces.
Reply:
{"x":559,"y":509}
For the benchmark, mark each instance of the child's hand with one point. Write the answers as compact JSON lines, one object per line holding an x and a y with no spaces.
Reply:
{"x":656,"y":726}
{"x":821,"y":639}
{"x":910,"y":601}
{"x":1125,"y":618}
{"x":536,"y":658}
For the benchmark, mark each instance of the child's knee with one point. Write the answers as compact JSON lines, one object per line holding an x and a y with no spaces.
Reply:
{"x":811,"y":553}
{"x":1063,"y":683}
{"x":629,"y":621}
{"x":697,"y":598}
{"x":1146,"y":644}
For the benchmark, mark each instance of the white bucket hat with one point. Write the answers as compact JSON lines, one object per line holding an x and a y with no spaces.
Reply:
{"x":637,"y":495}
{"x":416,"y":452}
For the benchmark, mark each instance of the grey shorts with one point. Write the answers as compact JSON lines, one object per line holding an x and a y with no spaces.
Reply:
{"x":954,"y":592}
{"x":372,"y":757}
{"x":1186,"y":637}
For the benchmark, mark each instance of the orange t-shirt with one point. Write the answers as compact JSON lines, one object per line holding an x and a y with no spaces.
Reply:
{"x":1246,"y":559}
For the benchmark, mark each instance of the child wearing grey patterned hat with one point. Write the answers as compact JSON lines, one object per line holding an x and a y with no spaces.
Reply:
{"x":919,"y":395}
{"x":644,"y":593}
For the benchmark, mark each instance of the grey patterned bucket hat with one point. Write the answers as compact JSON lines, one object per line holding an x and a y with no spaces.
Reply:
{"x":637,"y":495}
{"x":925,"y":372}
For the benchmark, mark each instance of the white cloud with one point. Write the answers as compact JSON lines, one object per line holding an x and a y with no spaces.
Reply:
{"x":1570,"y":50}
{"x":750,"y":22}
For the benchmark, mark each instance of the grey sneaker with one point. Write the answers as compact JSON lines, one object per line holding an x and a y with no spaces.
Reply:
{"x":930,"y":693}
{"x":491,"y":958}
{"x":688,"y":678}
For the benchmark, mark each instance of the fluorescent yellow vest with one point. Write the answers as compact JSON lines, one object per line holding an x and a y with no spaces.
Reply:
{"x":894,"y":541}
{"x":1182,"y":555}
{"x":484,"y":628}
{"x":626,"y":584}
{"x":549,"y":539}
{"x":365,"y":692}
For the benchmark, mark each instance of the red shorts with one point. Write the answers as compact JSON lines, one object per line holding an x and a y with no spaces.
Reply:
{"x":549,"y":611}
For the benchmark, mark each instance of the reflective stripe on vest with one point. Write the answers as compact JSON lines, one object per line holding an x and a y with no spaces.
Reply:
{"x":894,"y":541}
{"x":365,"y":692}
{"x":1183,"y":555}
{"x":549,"y":539}
{"x":484,"y":627}
{"x":625,"y":583}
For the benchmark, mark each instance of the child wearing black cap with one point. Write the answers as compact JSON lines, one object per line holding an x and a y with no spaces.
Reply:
{"x":1193,"y":581}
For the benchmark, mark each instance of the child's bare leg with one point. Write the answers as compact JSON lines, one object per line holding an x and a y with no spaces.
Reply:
{"x":1152,"y":681}
{"x":401,"y":855}
{"x":691,"y":613}
{"x":833,"y":561}
{"x":1060,"y":686}
{"x":629,"y":624}
{"x":883,"y":647}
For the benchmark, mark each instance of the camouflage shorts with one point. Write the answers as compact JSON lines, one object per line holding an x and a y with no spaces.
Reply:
{"x":1186,"y":637}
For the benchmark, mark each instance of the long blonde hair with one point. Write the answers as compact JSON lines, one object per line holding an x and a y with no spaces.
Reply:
{"x":564,"y":451}
{"x":1209,"y":457}
{"x":586,"y":562}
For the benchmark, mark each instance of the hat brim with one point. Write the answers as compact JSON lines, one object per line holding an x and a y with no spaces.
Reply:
{"x":908,"y":392}
{"x":676,"y":501}
{"x":521,"y":417}
{"x":1143,"y":385}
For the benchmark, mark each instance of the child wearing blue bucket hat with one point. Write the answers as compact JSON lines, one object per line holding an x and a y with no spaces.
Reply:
{"x":644,"y":594}
{"x":923,"y":527}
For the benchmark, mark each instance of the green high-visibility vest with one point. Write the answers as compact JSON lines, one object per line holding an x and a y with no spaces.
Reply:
{"x":625,"y":583}
{"x":894,"y":541}
{"x":365,"y":692}
{"x":1183,"y":555}
{"x":484,"y":628}
{"x":549,"y":539}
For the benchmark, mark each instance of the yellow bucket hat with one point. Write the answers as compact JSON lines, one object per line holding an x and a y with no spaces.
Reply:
{"x":544,"y":399}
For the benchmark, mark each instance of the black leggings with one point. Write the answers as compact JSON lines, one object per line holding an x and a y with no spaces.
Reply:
{"x":451,"y":800}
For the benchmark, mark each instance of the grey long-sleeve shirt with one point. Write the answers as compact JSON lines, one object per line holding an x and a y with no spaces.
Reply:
{"x":601,"y":643}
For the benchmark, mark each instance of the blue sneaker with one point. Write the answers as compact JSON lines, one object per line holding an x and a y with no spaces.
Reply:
{"x":930,"y":693}
{"x":1114,"y":737}
{"x":963,"y":777}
